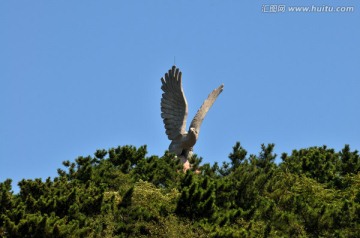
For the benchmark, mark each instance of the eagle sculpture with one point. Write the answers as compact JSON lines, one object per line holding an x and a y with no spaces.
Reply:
{"x":174,"y":111}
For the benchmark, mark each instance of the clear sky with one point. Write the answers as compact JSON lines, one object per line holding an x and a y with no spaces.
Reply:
{"x":76,"y":76}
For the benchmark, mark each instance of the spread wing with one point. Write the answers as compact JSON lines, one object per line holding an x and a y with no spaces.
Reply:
{"x":201,"y":113}
{"x":174,"y":107}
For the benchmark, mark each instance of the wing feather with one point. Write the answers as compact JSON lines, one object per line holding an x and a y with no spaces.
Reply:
{"x":174,"y":107}
{"x":201,"y":113}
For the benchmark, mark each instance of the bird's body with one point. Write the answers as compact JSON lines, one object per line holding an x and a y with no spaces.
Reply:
{"x":174,"y":112}
{"x":184,"y":143}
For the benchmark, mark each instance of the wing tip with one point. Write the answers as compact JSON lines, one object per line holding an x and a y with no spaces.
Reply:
{"x":163,"y":81}
{"x":219,"y":89}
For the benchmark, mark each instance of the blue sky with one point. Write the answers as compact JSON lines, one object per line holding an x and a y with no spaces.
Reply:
{"x":77,"y":76}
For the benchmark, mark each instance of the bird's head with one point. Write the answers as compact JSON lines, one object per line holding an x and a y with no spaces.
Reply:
{"x":193,"y":132}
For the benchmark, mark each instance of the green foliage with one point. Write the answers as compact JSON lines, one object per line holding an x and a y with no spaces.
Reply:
{"x":237,"y":156}
{"x":313,"y":192}
{"x":197,"y":198}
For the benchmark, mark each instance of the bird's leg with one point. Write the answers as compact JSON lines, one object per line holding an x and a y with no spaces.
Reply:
{"x":184,"y":158}
{"x":187,"y":153}
{"x":190,"y":153}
